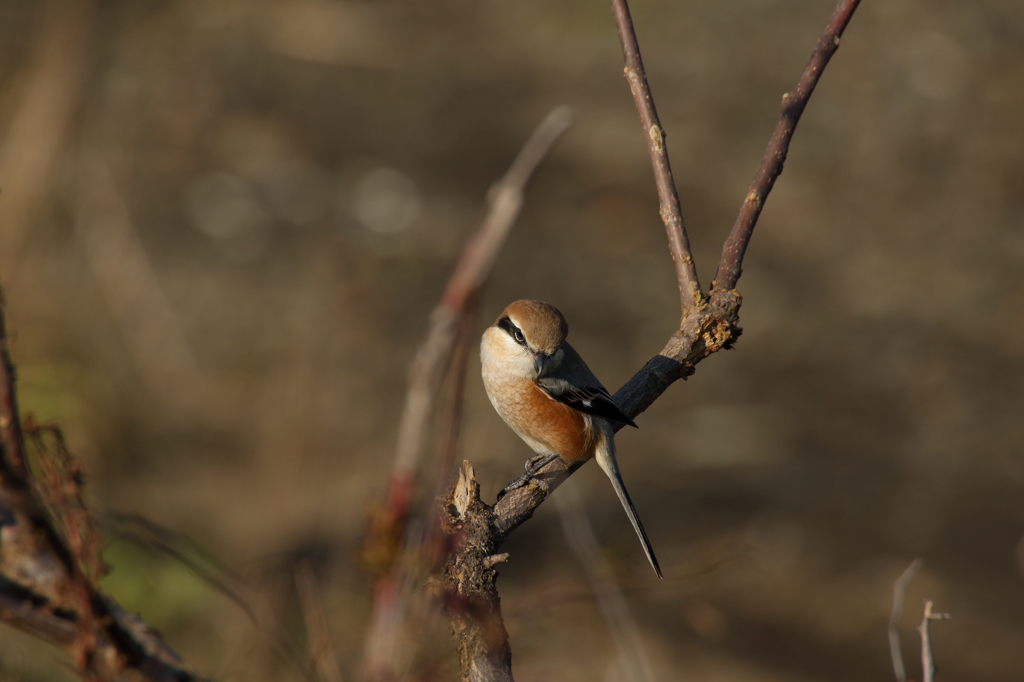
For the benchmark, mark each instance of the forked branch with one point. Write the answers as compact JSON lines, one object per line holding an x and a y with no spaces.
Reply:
{"x":707,"y":325}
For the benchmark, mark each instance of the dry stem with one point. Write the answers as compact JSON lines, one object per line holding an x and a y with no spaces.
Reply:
{"x":894,"y":618}
{"x":319,"y":640}
{"x":927,"y":664}
{"x":611,"y":601}
{"x":678,"y":243}
{"x":793,"y":104}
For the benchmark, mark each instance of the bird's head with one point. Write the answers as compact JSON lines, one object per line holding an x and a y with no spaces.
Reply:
{"x":530,"y":334}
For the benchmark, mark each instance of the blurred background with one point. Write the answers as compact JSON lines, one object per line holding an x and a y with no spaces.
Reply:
{"x":224,"y":223}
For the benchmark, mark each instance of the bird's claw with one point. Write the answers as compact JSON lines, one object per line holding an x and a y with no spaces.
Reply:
{"x":523,"y":480}
{"x":533,"y":465}
{"x":536,"y":462}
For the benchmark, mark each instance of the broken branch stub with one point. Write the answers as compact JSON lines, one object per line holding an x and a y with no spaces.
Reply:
{"x":470,"y":592}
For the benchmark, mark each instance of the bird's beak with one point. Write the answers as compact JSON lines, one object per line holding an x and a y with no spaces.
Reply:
{"x":538,"y":364}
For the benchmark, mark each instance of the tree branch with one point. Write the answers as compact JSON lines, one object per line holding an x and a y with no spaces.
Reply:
{"x":894,"y":618}
{"x":579,"y":534}
{"x":43,"y":587}
{"x":707,"y":325}
{"x":927,"y":663}
{"x":690,"y":292}
{"x":12,"y":442}
{"x":470,"y":579}
{"x":793,"y":104}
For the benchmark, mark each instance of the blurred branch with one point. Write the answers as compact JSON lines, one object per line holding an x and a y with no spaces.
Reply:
{"x":128,"y":282}
{"x":153,"y":537}
{"x":678,"y":243}
{"x":927,"y":664}
{"x":686,"y":581}
{"x":175,"y":546}
{"x":706,"y":327}
{"x":433,"y":544}
{"x":47,"y":579}
{"x":894,"y":619}
{"x":793,"y":103}
{"x":425,"y":376}
{"x":606,"y":591}
{"x":59,"y":485}
{"x":452,"y":422}
{"x":505,"y":201}
{"x":320,"y":650}
{"x":12,"y":443}
{"x":42,"y":117}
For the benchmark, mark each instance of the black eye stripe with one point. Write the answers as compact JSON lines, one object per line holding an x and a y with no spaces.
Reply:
{"x":512,"y":330}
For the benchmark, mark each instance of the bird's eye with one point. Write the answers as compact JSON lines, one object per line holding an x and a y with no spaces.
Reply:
{"x":512,"y":330}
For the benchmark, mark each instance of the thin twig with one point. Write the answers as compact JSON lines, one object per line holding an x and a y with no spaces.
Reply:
{"x":453,"y":413}
{"x":927,"y":664}
{"x":153,"y":537}
{"x":36,"y":137}
{"x":793,"y":103}
{"x":127,"y":280}
{"x":320,"y":650}
{"x":12,"y":441}
{"x":894,"y":618}
{"x":433,"y":542}
{"x":59,"y":485}
{"x":610,"y":600}
{"x":165,"y":542}
{"x":678,"y":243}
{"x":684,"y":581}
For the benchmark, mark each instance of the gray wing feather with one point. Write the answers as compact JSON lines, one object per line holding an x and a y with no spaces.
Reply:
{"x":581,"y":390}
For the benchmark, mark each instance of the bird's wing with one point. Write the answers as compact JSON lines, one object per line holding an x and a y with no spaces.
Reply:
{"x":590,"y":399}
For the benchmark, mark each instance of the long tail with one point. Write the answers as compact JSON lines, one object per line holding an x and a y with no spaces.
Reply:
{"x":606,"y":460}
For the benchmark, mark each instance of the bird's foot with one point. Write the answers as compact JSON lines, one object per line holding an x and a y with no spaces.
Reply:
{"x":533,"y":465}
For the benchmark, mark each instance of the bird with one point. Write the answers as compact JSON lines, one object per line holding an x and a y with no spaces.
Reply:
{"x":545,"y":392}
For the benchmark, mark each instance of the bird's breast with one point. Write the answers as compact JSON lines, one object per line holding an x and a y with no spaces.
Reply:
{"x":547,"y":426}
